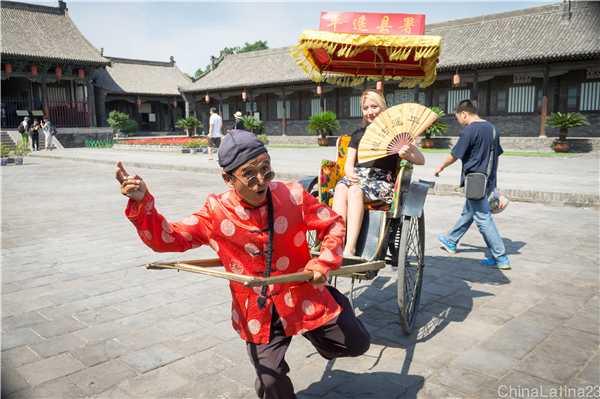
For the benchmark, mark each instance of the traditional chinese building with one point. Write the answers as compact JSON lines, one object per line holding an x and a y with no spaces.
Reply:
{"x":146,"y":90}
{"x":47,"y":66}
{"x":516,"y":65}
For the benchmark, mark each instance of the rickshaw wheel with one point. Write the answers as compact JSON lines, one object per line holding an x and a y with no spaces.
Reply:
{"x":411,"y":253}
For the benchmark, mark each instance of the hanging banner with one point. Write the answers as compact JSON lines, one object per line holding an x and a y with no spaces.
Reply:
{"x":372,"y":23}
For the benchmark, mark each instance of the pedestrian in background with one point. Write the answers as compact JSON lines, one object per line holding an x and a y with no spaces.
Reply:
{"x":214,"y":134}
{"x":239,"y":123}
{"x":35,"y":135}
{"x":24,"y":130}
{"x":478,"y":141}
{"x":47,"y":127}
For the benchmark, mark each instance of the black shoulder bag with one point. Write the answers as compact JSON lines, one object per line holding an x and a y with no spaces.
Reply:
{"x":476,"y":183}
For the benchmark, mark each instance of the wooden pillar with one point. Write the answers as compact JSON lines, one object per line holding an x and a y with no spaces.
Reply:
{"x":137,"y":117}
{"x":251,"y":103}
{"x":475,"y":91}
{"x":283,"y":116}
{"x":91,"y":103}
{"x":556,"y":101}
{"x":337,"y":102}
{"x":322,"y":101}
{"x":545,"y":100}
{"x":221,"y":105}
{"x":488,"y":99}
{"x":416,"y":94}
{"x":45,"y":96}
{"x":429,"y":97}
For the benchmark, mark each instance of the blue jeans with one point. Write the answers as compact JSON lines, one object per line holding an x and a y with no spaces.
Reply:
{"x":479,"y":211}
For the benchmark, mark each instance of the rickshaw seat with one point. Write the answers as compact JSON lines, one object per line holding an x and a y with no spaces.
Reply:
{"x":331,"y":172}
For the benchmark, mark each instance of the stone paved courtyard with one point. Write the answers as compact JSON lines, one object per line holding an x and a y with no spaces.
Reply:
{"x":82,"y":318}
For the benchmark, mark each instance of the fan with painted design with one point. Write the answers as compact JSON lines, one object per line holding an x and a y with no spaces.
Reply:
{"x":393,"y":129}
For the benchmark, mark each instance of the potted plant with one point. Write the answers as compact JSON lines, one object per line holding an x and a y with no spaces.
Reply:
{"x":188,"y":124}
{"x":323,"y":123}
{"x":251,"y":123}
{"x":19,"y":151}
{"x":563,"y":122}
{"x":5,"y":151}
{"x":437,"y":128}
{"x":193,"y":145}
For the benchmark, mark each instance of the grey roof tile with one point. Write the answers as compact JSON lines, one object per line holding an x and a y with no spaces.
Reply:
{"x":33,"y":32}
{"x":127,"y":76}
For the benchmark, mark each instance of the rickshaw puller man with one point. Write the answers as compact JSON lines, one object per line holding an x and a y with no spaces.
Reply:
{"x":258,"y":228}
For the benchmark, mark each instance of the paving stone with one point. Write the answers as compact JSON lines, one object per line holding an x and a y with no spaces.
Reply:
{"x":507,"y":346}
{"x":102,"y":376}
{"x":431,"y":355}
{"x":517,"y":384}
{"x":58,"y":327}
{"x":58,"y":312}
{"x":66,"y":297}
{"x":30,"y":305}
{"x":175,"y":310}
{"x":365,"y":386}
{"x":207,"y":301}
{"x":563,"y":300}
{"x":223,"y":331}
{"x":486,"y":361}
{"x":178,"y":328}
{"x":141,"y":339}
{"x":538,"y":320}
{"x":140,"y":320}
{"x":30,"y":293}
{"x":50,"y":369}
{"x":234,"y":351}
{"x":402,"y":371}
{"x":56,"y":345}
{"x":26,"y":320}
{"x":523,"y":332}
{"x":193,"y":343}
{"x":16,"y":357}
{"x":12,"y":382}
{"x":111,"y":393}
{"x":100,"y":289}
{"x":462,"y":379}
{"x":430,"y":391}
{"x":591,"y":326}
{"x":92,"y":355}
{"x":490,"y":316}
{"x":19,"y":337}
{"x":99,"y":316}
{"x":547,"y":369}
{"x":192,"y":368}
{"x":547,"y":309}
{"x":62,"y":388}
{"x":133,"y":292}
{"x":154,"y":384}
{"x":151,"y":358}
{"x":577,"y":338}
{"x":562,"y":352}
{"x":136,"y":306}
{"x":102,"y":332}
{"x":214,"y":387}
{"x":100,"y":301}
{"x":168,"y":297}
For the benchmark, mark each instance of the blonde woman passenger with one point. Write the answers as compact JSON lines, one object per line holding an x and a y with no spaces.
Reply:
{"x":367,"y":182}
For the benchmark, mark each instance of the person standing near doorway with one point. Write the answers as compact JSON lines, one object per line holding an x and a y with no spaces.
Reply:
{"x":214,"y":134}
{"x":239,"y":123}
{"x":47,"y":127}
{"x":24,"y":130}
{"x":35,"y":135}
{"x":476,"y":140}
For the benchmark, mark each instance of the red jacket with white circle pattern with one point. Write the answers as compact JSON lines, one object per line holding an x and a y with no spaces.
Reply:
{"x":225,"y":224}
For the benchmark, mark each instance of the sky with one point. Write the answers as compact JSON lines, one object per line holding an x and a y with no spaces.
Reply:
{"x":192,"y":31}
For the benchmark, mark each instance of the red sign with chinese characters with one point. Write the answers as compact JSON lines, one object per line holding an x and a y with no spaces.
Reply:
{"x":370,"y":23}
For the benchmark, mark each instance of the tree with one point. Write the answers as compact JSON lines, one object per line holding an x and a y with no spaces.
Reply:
{"x":258,"y":45}
{"x":117,"y":120}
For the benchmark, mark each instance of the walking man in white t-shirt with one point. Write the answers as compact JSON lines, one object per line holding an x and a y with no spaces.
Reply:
{"x":214,"y":135}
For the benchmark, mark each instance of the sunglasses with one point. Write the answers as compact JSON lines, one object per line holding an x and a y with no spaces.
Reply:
{"x":253,"y":181}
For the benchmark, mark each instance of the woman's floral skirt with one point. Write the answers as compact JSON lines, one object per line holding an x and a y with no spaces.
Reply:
{"x":376,"y":184}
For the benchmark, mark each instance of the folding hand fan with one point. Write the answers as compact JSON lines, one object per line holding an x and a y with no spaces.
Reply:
{"x":393,"y":129}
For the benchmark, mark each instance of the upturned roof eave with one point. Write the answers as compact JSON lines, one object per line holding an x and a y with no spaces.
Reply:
{"x":37,"y":57}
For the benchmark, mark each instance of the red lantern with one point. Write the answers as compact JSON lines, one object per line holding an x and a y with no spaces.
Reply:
{"x":379,"y":85}
{"x":174,"y":103}
{"x":8,"y":68}
{"x":207,"y":98}
{"x":139,"y":102}
{"x":34,"y":70}
{"x":244,"y":96}
{"x":319,"y":90}
{"x":456,"y":79}
{"x":80,"y":73}
{"x":58,"y":72}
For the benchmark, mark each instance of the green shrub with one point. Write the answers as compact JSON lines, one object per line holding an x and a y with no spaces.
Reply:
{"x":129,"y":126}
{"x":117,"y":119}
{"x":264,"y":138}
{"x":323,"y":122}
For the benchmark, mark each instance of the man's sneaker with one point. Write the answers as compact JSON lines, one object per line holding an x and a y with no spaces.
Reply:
{"x":210,"y":160}
{"x":503,"y":264}
{"x":447,"y":246}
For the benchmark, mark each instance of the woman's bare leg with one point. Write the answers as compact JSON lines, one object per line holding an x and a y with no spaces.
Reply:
{"x":340,"y":200}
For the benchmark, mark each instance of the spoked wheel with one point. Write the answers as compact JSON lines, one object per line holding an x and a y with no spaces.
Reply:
{"x":411,"y":253}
